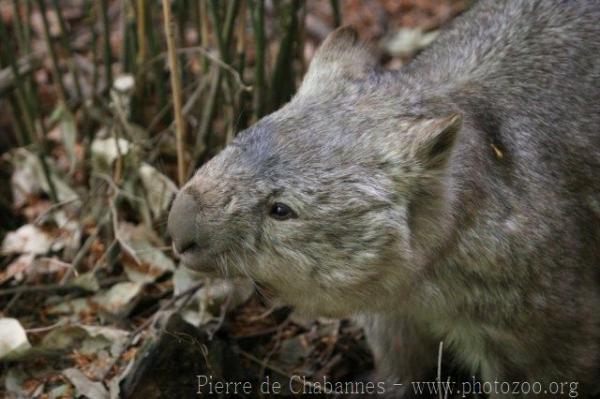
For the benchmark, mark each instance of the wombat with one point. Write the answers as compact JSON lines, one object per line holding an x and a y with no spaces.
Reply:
{"x":454,"y":200}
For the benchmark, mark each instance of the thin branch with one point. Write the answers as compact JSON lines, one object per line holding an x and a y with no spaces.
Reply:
{"x":207,"y":116}
{"x":35,"y":130}
{"x":54,"y":207}
{"x":150,"y":321}
{"x":180,"y":126}
{"x":141,"y":31}
{"x":57,"y":287}
{"x":207,"y":55}
{"x":27,"y":65}
{"x":257,"y":10}
{"x":79,"y":257}
{"x":106,"y":42}
{"x":37,"y":330}
{"x":337,"y":14}
{"x":272,"y":367}
{"x":122,"y":242}
{"x":62,"y":91}
{"x":67,"y":46}
{"x":282,"y":85}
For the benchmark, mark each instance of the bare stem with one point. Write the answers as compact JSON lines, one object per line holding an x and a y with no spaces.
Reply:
{"x":257,"y":9}
{"x":337,"y":14}
{"x":67,"y":46}
{"x":8,"y":57}
{"x":151,"y":321}
{"x":106,"y":40}
{"x":202,"y":29}
{"x":141,"y":31}
{"x":154,"y":47}
{"x":62,"y":91}
{"x":176,"y":88}
{"x":282,"y":86}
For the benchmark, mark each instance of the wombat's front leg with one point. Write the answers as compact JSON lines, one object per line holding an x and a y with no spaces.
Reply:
{"x":403,"y":352}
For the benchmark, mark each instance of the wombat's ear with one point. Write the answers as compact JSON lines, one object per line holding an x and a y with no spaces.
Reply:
{"x":433,"y":140}
{"x":338,"y":44}
{"x":342,"y":54}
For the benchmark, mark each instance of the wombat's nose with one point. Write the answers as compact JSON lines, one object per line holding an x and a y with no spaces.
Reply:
{"x":181,"y":224}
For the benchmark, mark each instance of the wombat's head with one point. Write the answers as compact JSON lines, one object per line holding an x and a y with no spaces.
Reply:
{"x":314,"y":201}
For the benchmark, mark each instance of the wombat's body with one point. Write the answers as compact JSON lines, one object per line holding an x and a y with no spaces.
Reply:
{"x":456,"y":200}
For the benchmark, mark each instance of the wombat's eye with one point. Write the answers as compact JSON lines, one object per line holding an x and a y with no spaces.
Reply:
{"x":281,"y":211}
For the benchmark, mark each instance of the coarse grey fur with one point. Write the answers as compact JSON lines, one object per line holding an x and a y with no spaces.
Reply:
{"x":455,"y":200}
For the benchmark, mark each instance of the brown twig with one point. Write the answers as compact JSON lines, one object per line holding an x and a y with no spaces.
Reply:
{"x":61,"y":90}
{"x":122,"y":242}
{"x":150,"y":322}
{"x":207,"y":55}
{"x":257,"y":11}
{"x":271,"y":367}
{"x":58,"y":287}
{"x":106,"y":42}
{"x":27,"y":65}
{"x":176,"y":91}
{"x":141,"y":31}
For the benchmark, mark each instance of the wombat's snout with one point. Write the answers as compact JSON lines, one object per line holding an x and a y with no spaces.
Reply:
{"x":182,"y":222}
{"x":193,"y":238}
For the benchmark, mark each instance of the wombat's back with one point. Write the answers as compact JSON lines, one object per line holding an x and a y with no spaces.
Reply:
{"x":541,"y":57}
{"x":525,"y":250}
{"x":526,"y":75}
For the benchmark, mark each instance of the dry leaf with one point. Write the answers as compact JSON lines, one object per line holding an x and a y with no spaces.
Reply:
{"x":13,"y":339}
{"x":28,"y":239}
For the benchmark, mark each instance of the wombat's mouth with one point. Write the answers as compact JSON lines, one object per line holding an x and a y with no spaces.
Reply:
{"x":200,"y":258}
